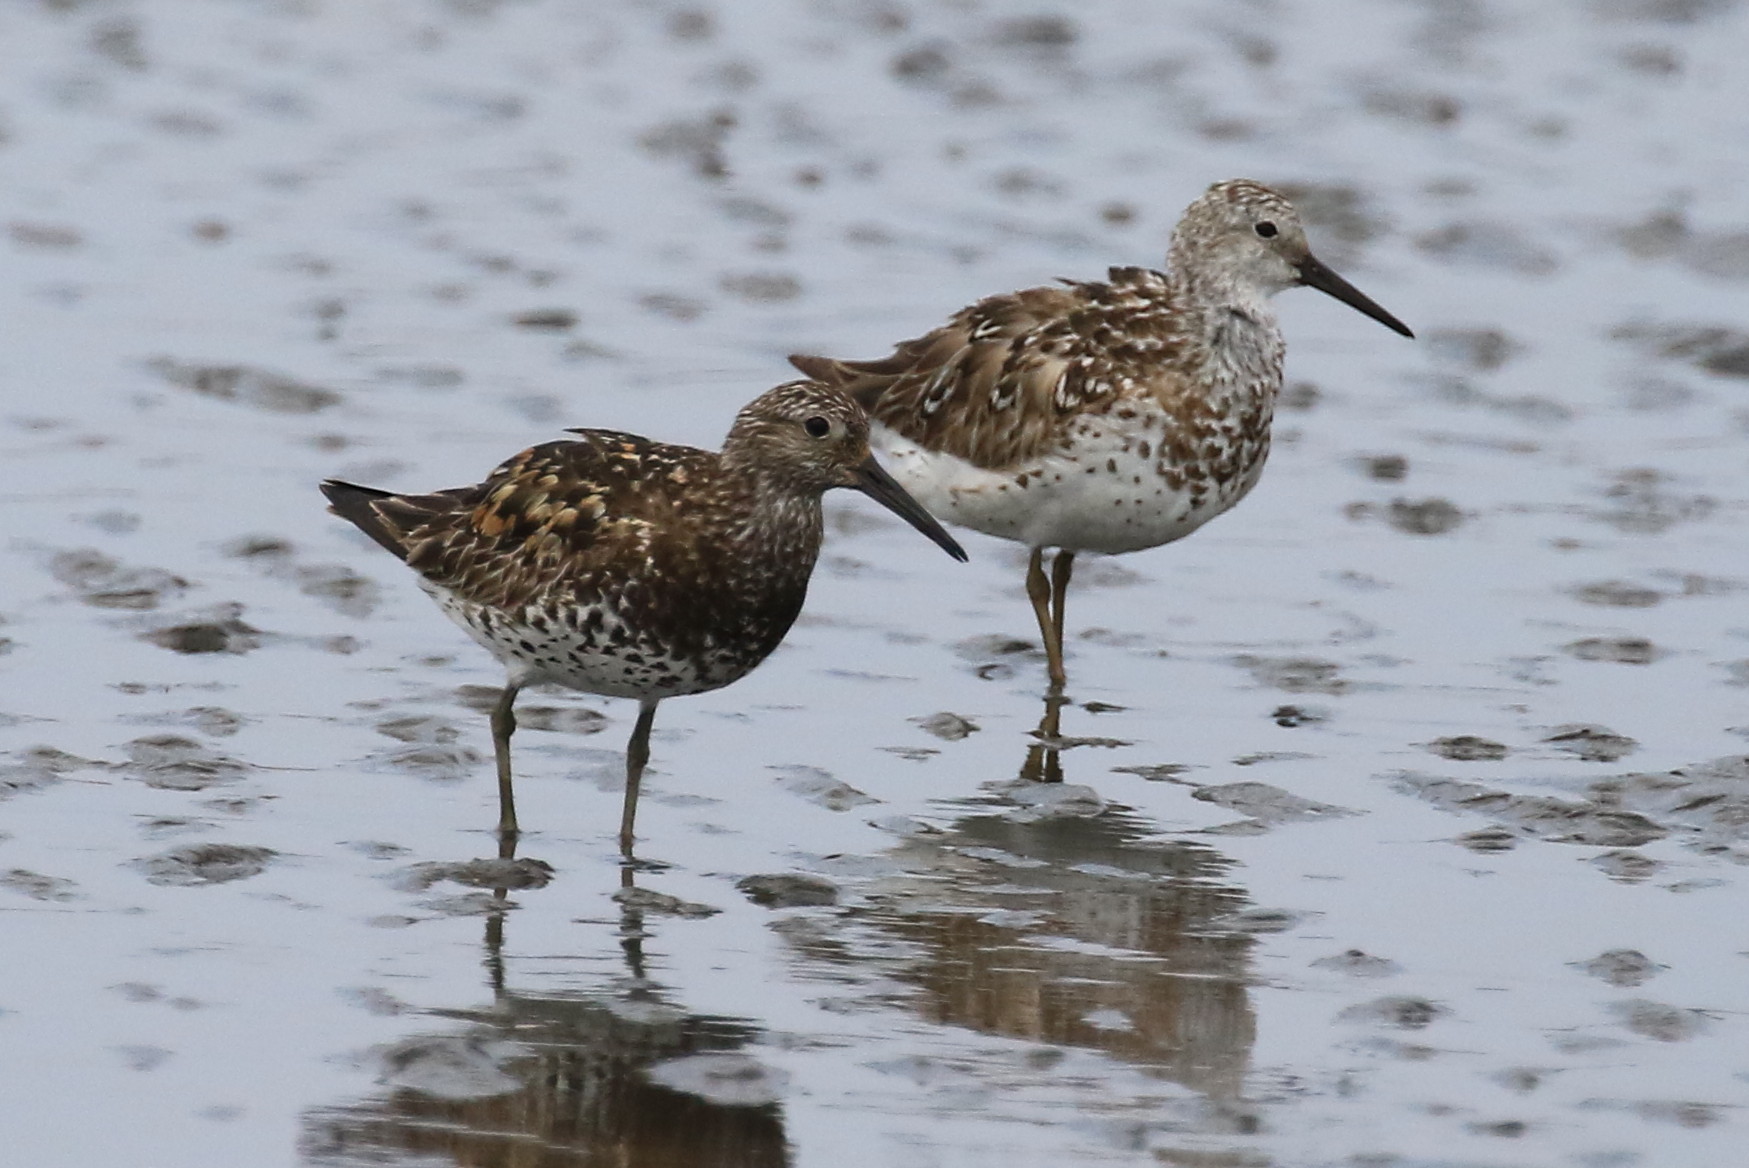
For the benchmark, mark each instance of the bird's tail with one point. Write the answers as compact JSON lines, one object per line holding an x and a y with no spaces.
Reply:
{"x":357,"y":505}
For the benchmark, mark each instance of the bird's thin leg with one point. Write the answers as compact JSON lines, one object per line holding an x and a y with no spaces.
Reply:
{"x":1061,"y":569}
{"x":1038,"y":590}
{"x":503,"y":726}
{"x":637,"y":754}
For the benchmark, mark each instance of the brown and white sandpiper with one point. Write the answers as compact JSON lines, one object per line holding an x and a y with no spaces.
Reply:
{"x":619,"y":566}
{"x":1101,"y":417}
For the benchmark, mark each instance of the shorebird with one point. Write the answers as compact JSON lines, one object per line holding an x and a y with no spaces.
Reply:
{"x":1101,"y":417}
{"x":619,"y":566}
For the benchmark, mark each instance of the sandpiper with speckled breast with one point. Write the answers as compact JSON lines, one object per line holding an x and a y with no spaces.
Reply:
{"x":1101,"y":417}
{"x":623,"y":567}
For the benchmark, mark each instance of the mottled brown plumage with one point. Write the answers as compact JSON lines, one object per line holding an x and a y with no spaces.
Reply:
{"x":629,"y":568}
{"x":993,"y":384}
{"x":1102,"y":417}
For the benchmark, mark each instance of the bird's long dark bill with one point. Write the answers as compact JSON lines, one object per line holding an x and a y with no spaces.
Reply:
{"x":1314,"y":274}
{"x":878,"y":485}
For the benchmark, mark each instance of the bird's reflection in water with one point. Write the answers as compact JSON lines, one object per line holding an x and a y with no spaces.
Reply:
{"x":1041,"y":915}
{"x":1044,"y":763}
{"x":610,"y":1076}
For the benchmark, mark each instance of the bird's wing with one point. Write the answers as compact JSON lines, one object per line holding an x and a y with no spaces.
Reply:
{"x":545,"y":518}
{"x":994,"y":384}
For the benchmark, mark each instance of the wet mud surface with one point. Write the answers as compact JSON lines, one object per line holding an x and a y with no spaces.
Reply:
{"x":1397,"y":818}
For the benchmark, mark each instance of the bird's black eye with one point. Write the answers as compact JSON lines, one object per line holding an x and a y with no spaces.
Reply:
{"x":1266,"y":229}
{"x":817,"y":426}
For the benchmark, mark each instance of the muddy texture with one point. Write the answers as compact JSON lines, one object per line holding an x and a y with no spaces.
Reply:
{"x":1396,"y":817}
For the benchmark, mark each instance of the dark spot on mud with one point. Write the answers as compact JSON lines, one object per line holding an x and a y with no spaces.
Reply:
{"x":947,"y":727}
{"x":174,"y":763}
{"x":698,"y":142}
{"x":1468,"y":748}
{"x":418,"y":728}
{"x":673,"y":306}
{"x":1424,"y":517}
{"x":1520,"y":1080}
{"x":986,"y":654}
{"x":1529,"y":408}
{"x":1386,"y":468}
{"x":925,"y":64}
{"x":1356,"y":963}
{"x":1480,"y":350}
{"x":547,"y":319}
{"x":45,"y":236}
{"x":662,"y":904}
{"x":1714,"y":349}
{"x":1261,"y":920}
{"x":1488,"y":245}
{"x":1660,"y":11}
{"x":213,"y":721}
{"x":1035,"y":32}
{"x":1154,"y":773}
{"x":1591,"y":743}
{"x":1660,"y":1022}
{"x":104,"y":582}
{"x":1682,"y":1114}
{"x":1640,"y":503}
{"x":1487,"y":840}
{"x":1666,"y":234}
{"x":1117,"y":214}
{"x":1617,"y":594}
{"x":38,"y":886}
{"x":1294,"y":674}
{"x":1401,"y":1013}
{"x":38,"y":767}
{"x":206,"y":864}
{"x":1299,"y":396}
{"x":821,"y":788}
{"x":1539,"y":816}
{"x":1266,"y":803}
{"x":1289,"y":717}
{"x":1621,"y":967}
{"x":1418,"y":106}
{"x":224,"y":632}
{"x":578,"y":720}
{"x":444,"y":762}
{"x":339,"y":587}
{"x":138,"y":1056}
{"x":761,"y":287}
{"x":1626,"y":867}
{"x":1708,"y":803}
{"x":480,"y":698}
{"x":485,"y":873}
{"x":1621,"y":650}
{"x":788,"y":890}
{"x":246,"y":386}
{"x":1333,"y":212}
{"x":335,"y":585}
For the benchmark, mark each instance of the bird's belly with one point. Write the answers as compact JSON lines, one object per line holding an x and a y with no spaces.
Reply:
{"x":568,"y":648}
{"x":1106,"y":492}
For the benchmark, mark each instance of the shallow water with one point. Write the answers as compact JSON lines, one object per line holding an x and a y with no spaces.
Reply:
{"x":1402,"y":811}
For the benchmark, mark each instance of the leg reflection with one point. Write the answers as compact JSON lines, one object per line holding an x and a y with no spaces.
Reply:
{"x":1044,"y":762}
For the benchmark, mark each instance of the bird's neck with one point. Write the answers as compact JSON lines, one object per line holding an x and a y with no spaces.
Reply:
{"x":783,"y":525}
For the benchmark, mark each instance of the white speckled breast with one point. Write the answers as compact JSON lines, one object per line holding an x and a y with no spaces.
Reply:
{"x":1106,"y":489}
{"x":553,"y":647}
